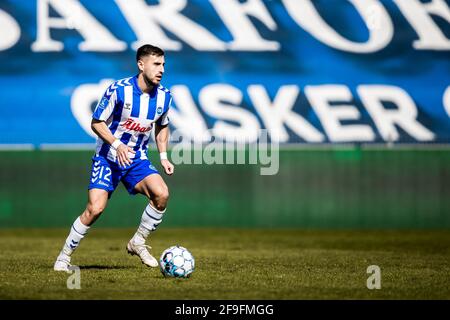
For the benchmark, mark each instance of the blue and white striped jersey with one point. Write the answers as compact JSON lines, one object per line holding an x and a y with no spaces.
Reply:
{"x":130,"y":114}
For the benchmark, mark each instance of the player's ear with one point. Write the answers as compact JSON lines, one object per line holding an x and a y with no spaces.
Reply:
{"x":140,"y":65}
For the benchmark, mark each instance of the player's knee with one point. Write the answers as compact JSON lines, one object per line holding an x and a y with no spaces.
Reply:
{"x":161,"y":197}
{"x":95,"y":209}
{"x":165,"y":194}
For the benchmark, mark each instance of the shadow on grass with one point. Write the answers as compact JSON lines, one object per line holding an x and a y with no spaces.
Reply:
{"x":102,"y":267}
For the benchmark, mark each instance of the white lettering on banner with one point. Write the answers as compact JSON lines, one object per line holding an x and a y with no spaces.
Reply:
{"x":211,"y":98}
{"x":74,"y":15}
{"x":81,"y":102}
{"x":446,"y":100}
{"x":246,"y":37}
{"x":330,"y":116}
{"x":374,"y":14}
{"x":405,"y":116}
{"x":278,"y":114}
{"x":306,"y":16}
{"x":146,"y":21}
{"x":187,"y":117}
{"x":221,"y":102}
{"x":11,"y":35}
{"x":149,"y":23}
{"x":418,"y":15}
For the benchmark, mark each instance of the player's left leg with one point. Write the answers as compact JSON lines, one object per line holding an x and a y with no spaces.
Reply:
{"x":155,"y":189}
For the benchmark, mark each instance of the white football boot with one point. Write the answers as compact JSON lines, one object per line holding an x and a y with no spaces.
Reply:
{"x":141,"y":251}
{"x":62,"y":263}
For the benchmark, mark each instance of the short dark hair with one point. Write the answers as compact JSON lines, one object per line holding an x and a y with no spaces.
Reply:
{"x":148,"y":49}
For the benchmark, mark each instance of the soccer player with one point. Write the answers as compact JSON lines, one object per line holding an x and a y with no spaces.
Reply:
{"x":123,"y":120}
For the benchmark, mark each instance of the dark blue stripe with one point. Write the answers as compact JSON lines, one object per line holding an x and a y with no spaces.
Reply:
{"x":134,"y":81}
{"x":166,"y":102}
{"x":98,"y":112}
{"x":156,"y":219}
{"x":83,"y":234}
{"x":104,"y":101}
{"x":104,"y":150}
{"x":136,"y":106}
{"x":166,"y":107}
{"x":125,"y":138}
{"x":159,"y":121}
{"x":118,"y":108}
{"x":117,"y":115}
{"x":152,"y":106}
{"x":138,"y":142}
{"x":137,"y":146}
{"x":145,"y":145}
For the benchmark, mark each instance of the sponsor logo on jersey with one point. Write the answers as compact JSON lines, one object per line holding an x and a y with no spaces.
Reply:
{"x":132,"y":125}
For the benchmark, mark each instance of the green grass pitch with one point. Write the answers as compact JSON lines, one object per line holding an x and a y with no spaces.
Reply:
{"x":232,"y":264}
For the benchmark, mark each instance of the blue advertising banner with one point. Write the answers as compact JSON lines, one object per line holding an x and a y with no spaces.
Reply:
{"x":307,"y":71}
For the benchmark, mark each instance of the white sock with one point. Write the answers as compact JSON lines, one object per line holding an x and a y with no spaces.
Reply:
{"x":150,"y":220}
{"x":77,"y":232}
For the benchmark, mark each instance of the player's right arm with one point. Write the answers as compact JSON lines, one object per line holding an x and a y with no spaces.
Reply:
{"x":101,"y":129}
{"x":102,"y":112}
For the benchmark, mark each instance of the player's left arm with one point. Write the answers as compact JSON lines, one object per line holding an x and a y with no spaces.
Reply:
{"x":162,"y":140}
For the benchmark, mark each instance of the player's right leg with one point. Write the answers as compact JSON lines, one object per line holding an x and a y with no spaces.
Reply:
{"x":97,"y":200}
{"x":103,"y":181}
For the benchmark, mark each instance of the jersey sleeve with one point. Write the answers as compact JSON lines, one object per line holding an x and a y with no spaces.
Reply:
{"x":164,"y":119}
{"x":105,"y":106}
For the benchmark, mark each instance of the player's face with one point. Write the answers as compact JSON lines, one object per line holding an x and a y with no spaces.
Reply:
{"x":152,"y":68}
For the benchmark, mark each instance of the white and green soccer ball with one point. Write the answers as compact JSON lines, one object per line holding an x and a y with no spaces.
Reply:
{"x":177,"y":262}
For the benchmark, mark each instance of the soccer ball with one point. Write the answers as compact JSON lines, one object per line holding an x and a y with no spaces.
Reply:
{"x":177,"y":262}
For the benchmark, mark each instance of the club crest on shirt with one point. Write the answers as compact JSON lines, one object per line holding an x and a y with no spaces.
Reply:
{"x":159,"y":110}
